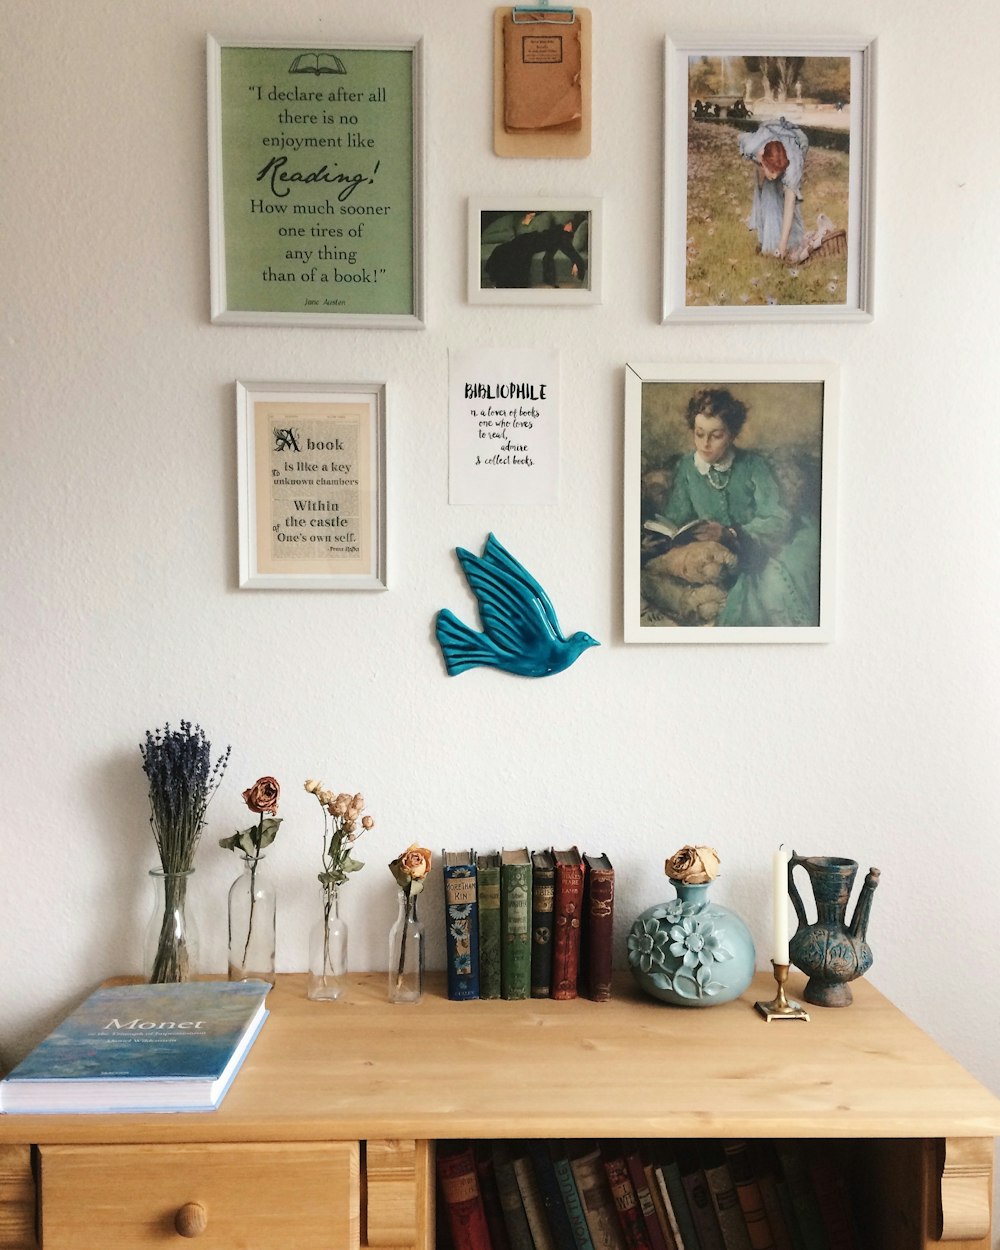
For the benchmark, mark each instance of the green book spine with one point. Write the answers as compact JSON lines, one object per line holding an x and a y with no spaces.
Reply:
{"x":543,"y":892}
{"x":515,"y":924}
{"x":488,"y":867}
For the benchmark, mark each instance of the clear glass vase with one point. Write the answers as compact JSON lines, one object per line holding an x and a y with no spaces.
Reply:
{"x":406,"y":953}
{"x":170,"y":951}
{"x":328,"y":950}
{"x":252,"y":908}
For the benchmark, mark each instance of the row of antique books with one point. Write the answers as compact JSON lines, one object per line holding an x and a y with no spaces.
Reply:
{"x":646,"y":1195}
{"x":528,"y":924}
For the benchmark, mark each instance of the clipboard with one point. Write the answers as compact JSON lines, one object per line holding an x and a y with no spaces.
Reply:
{"x":542,"y":45}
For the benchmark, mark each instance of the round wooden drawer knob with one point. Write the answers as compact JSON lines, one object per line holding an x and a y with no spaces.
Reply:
{"x":191,"y":1220}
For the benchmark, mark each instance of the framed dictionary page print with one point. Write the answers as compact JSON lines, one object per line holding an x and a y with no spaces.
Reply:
{"x":311,"y":475}
{"x":315,"y":184}
{"x":767,"y":194}
{"x":729,"y":503}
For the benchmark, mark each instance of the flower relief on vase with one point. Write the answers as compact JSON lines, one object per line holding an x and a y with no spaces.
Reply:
{"x":691,"y":951}
{"x":344,"y":821}
{"x":182,"y":781}
{"x":252,"y":903}
{"x":406,"y":937}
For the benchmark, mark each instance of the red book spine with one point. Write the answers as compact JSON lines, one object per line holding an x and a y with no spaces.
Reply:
{"x":463,"y":1200}
{"x":598,"y":926}
{"x":625,"y":1199}
{"x":568,"y":914}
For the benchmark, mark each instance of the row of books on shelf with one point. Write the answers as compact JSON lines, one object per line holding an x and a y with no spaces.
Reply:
{"x":646,"y":1195}
{"x":529,"y":924}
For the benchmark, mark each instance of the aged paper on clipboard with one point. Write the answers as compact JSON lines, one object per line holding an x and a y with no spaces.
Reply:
{"x":541,"y":84}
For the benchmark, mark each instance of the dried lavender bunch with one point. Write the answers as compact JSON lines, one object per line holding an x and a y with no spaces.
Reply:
{"x":182,"y":781}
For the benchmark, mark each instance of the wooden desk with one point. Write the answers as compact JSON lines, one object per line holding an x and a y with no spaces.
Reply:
{"x":326,"y":1138}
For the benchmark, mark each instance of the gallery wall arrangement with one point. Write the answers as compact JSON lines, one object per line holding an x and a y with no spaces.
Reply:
{"x":566,"y":427}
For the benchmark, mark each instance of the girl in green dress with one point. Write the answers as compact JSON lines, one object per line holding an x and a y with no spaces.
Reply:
{"x":739,"y":502}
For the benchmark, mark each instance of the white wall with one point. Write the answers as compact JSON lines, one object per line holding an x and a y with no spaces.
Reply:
{"x":121,"y":608}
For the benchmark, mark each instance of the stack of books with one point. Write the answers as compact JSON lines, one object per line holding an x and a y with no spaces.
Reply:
{"x":646,"y":1195}
{"x":523,"y":924}
{"x":142,"y":1048}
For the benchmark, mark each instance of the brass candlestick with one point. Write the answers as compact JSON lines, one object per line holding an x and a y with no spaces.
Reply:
{"x":779,"y":1008}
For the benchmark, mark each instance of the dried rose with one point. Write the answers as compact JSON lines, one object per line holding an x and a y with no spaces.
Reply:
{"x":415,"y":861}
{"x":693,"y":865}
{"x":367,"y":822}
{"x":262,"y":796}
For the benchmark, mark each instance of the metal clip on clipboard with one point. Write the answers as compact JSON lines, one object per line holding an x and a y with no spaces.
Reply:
{"x":543,"y":11}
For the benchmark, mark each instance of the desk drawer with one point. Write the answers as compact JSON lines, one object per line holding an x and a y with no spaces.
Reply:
{"x":261,"y":1196}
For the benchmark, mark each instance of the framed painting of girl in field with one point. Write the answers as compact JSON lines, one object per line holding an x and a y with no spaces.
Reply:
{"x":729,"y":503}
{"x":767,"y":199}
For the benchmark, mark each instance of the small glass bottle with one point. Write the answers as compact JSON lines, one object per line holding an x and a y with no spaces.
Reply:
{"x":328,"y":950}
{"x":406,"y":953}
{"x":170,"y":952}
{"x":252,"y":908}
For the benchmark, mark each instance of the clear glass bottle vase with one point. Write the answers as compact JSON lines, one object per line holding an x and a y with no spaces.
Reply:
{"x":170,"y":950}
{"x":252,"y":910}
{"x":406,"y":953}
{"x":328,"y":950}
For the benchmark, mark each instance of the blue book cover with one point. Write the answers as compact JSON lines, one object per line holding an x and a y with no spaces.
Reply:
{"x":141,"y":1048}
{"x":462,"y":919}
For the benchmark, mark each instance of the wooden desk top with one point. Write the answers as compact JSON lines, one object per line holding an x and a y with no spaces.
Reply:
{"x":632,"y":1067}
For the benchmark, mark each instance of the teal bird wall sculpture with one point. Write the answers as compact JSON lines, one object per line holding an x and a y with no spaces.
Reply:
{"x":520,"y":631}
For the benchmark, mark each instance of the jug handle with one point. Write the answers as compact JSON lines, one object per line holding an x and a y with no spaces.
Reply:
{"x":793,"y":891}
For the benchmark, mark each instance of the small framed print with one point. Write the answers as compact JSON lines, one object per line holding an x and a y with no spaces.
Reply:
{"x":768,"y":186}
{"x":316,"y":183}
{"x":535,"y":250}
{"x":311,"y":485}
{"x":729,"y":503}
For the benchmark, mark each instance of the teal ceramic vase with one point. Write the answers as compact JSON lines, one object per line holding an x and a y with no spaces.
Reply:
{"x":691,"y":952}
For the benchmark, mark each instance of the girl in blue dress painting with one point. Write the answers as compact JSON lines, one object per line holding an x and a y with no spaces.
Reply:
{"x":735,"y":494}
{"x":778,"y":149}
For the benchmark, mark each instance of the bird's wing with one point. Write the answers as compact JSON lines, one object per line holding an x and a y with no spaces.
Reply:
{"x":512,"y":617}
{"x":495,"y":553}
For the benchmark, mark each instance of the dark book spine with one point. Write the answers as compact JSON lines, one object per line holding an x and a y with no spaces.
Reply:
{"x":570,"y":1196}
{"x":491,"y":1196}
{"x":699,"y":1200}
{"x":567,"y":917}
{"x":725,"y":1199}
{"x":543,"y":889}
{"x":548,"y":1185}
{"x":598,"y":930}
{"x":749,"y":1193}
{"x":462,"y":936}
{"x":488,"y":903}
{"x":515,"y":923}
{"x":456,"y":1168}
{"x":633,"y":1161}
{"x":625,"y":1199}
{"x":515,"y":1220}
{"x":595,"y":1197}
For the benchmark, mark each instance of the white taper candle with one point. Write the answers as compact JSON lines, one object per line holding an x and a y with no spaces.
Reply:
{"x":780,"y":867}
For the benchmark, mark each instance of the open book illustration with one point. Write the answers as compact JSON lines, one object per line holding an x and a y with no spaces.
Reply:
{"x":317,"y":63}
{"x":679,"y":534}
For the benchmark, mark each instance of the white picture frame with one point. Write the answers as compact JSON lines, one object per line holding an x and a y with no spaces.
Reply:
{"x":316,"y":183}
{"x":312,"y":485}
{"x":723,"y":201}
{"x":502,"y":267}
{"x":772,"y":578}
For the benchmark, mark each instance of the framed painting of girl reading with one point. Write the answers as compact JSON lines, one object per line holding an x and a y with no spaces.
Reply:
{"x":729,"y":503}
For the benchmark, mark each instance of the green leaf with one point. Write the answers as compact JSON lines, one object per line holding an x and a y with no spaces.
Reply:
{"x":230,"y":844}
{"x":348,"y":864}
{"x":268,"y":830}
